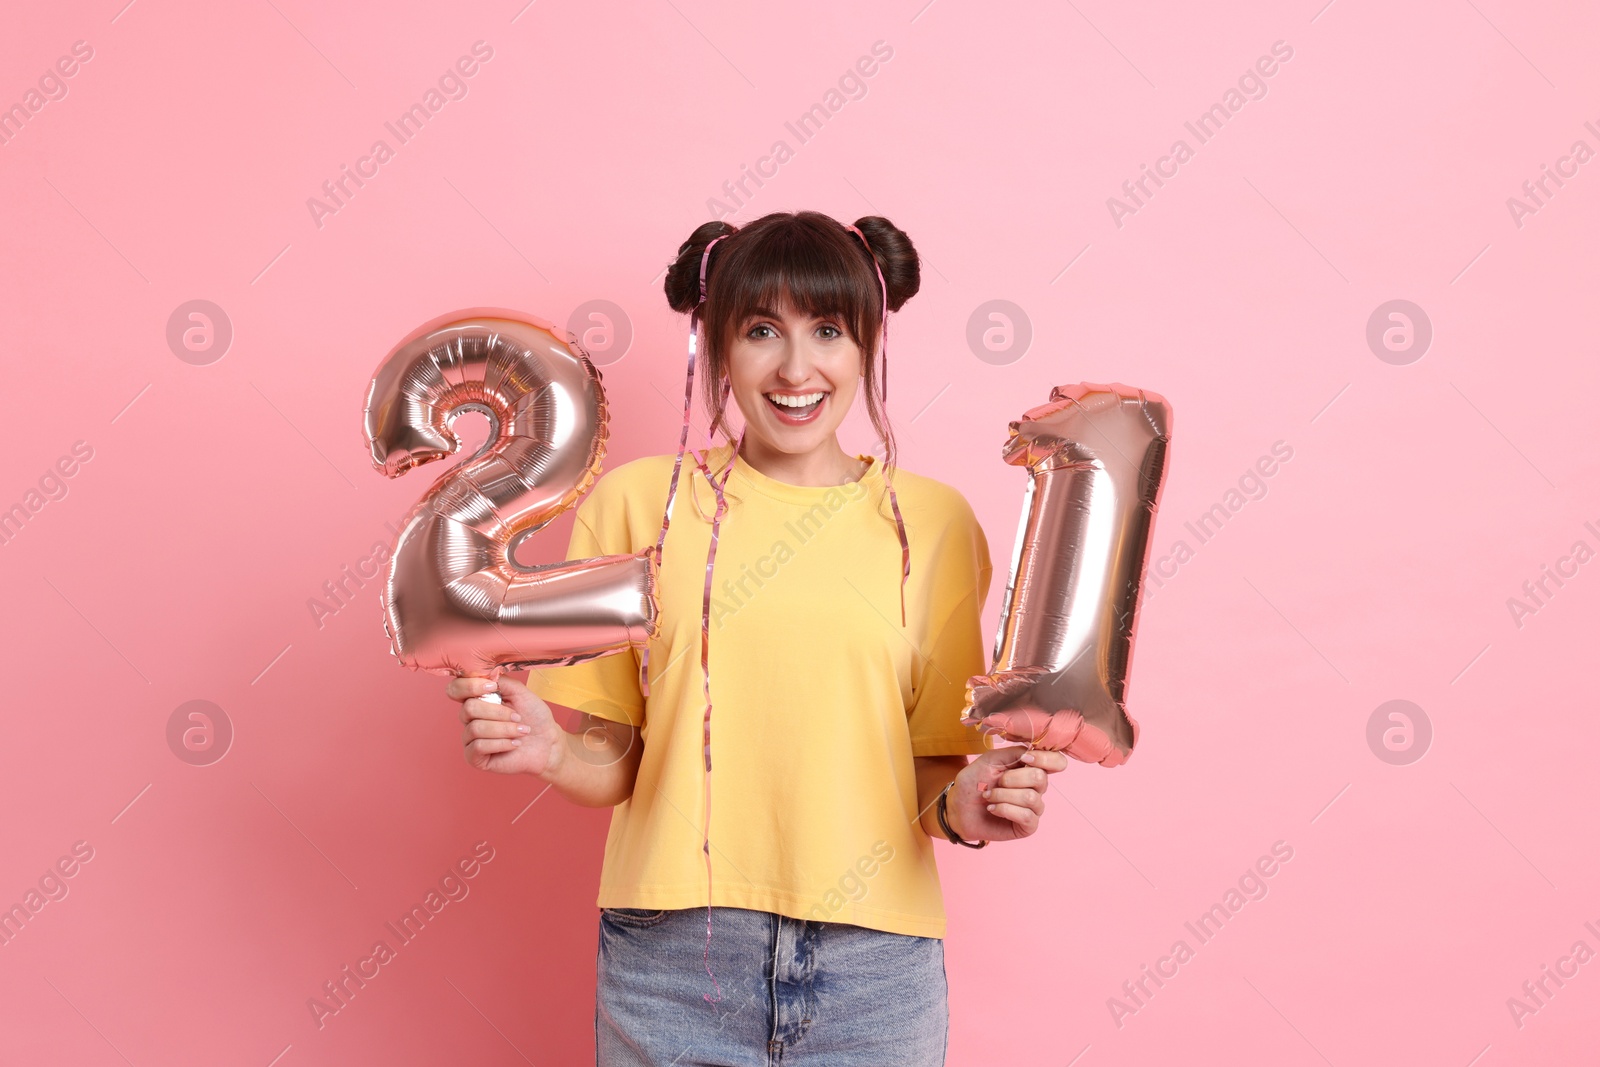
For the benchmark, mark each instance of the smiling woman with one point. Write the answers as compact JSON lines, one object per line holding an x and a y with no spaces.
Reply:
{"x":833,"y":669}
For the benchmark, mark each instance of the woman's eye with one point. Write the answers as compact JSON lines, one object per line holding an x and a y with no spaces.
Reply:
{"x":828,"y":331}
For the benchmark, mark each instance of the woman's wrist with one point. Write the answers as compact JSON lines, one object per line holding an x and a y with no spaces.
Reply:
{"x":933,"y":774}
{"x":948,"y":821}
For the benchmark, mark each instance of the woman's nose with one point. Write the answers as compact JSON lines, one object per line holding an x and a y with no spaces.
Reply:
{"x":796,"y":363}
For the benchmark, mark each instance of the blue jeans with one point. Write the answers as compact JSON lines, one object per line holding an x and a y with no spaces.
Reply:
{"x":794,"y":992}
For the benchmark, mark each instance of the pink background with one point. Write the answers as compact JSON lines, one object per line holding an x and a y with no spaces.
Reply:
{"x":1420,"y":496}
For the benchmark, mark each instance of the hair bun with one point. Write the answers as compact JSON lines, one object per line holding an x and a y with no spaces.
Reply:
{"x":683,"y":276}
{"x":897,"y":258}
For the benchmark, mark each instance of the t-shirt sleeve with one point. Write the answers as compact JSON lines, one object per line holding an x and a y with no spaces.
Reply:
{"x":607,"y":687}
{"x":956,"y":650}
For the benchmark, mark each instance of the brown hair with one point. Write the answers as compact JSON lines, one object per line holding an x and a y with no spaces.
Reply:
{"x":819,"y":265}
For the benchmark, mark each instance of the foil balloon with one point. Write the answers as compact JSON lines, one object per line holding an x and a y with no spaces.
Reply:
{"x":1095,"y":456}
{"x":455,"y":602}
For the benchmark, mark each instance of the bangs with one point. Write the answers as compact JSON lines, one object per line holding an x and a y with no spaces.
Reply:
{"x":813,"y":269}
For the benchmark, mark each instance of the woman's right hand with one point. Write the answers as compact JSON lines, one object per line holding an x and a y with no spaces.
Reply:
{"x":519,"y":736}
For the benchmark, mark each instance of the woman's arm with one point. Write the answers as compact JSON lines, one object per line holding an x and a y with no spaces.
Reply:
{"x":600,"y":764}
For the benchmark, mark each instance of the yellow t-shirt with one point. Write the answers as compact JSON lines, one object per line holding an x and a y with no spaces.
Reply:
{"x":819,"y":698}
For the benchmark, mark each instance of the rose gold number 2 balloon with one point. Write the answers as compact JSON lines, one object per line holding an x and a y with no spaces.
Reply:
{"x":455,"y":602}
{"x":1095,"y":456}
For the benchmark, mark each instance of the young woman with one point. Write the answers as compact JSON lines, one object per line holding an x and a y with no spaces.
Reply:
{"x":819,"y":621}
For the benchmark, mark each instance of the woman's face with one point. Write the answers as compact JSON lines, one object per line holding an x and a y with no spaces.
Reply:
{"x":810,"y":365}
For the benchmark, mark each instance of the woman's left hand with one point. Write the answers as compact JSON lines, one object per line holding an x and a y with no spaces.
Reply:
{"x":1011,"y":781}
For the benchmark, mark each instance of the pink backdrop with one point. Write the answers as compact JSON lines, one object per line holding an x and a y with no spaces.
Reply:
{"x":1435,"y":867}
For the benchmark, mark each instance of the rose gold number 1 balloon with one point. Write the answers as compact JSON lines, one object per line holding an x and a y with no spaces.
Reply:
{"x":1095,"y":456}
{"x":455,"y":602}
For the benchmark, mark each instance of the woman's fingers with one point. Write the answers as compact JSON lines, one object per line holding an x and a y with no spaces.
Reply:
{"x":493,"y":729}
{"x":473,"y":708}
{"x":1018,"y":757}
{"x":1031,"y":799}
{"x":462,"y":688}
{"x":491,"y":744}
{"x":1026,"y":819}
{"x":480,"y":749}
{"x":1023,"y":777}
{"x":1049,"y":760}
{"x":1018,"y":796}
{"x":1016,"y":790}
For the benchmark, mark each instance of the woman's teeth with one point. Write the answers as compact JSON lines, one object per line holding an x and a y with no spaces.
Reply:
{"x":796,"y":408}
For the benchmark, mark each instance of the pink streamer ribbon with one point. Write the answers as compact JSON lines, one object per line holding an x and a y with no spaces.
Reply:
{"x":705,"y":608}
{"x":883,"y":382}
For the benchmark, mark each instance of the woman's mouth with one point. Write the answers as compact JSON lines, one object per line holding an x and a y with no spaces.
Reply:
{"x":797,"y":409}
